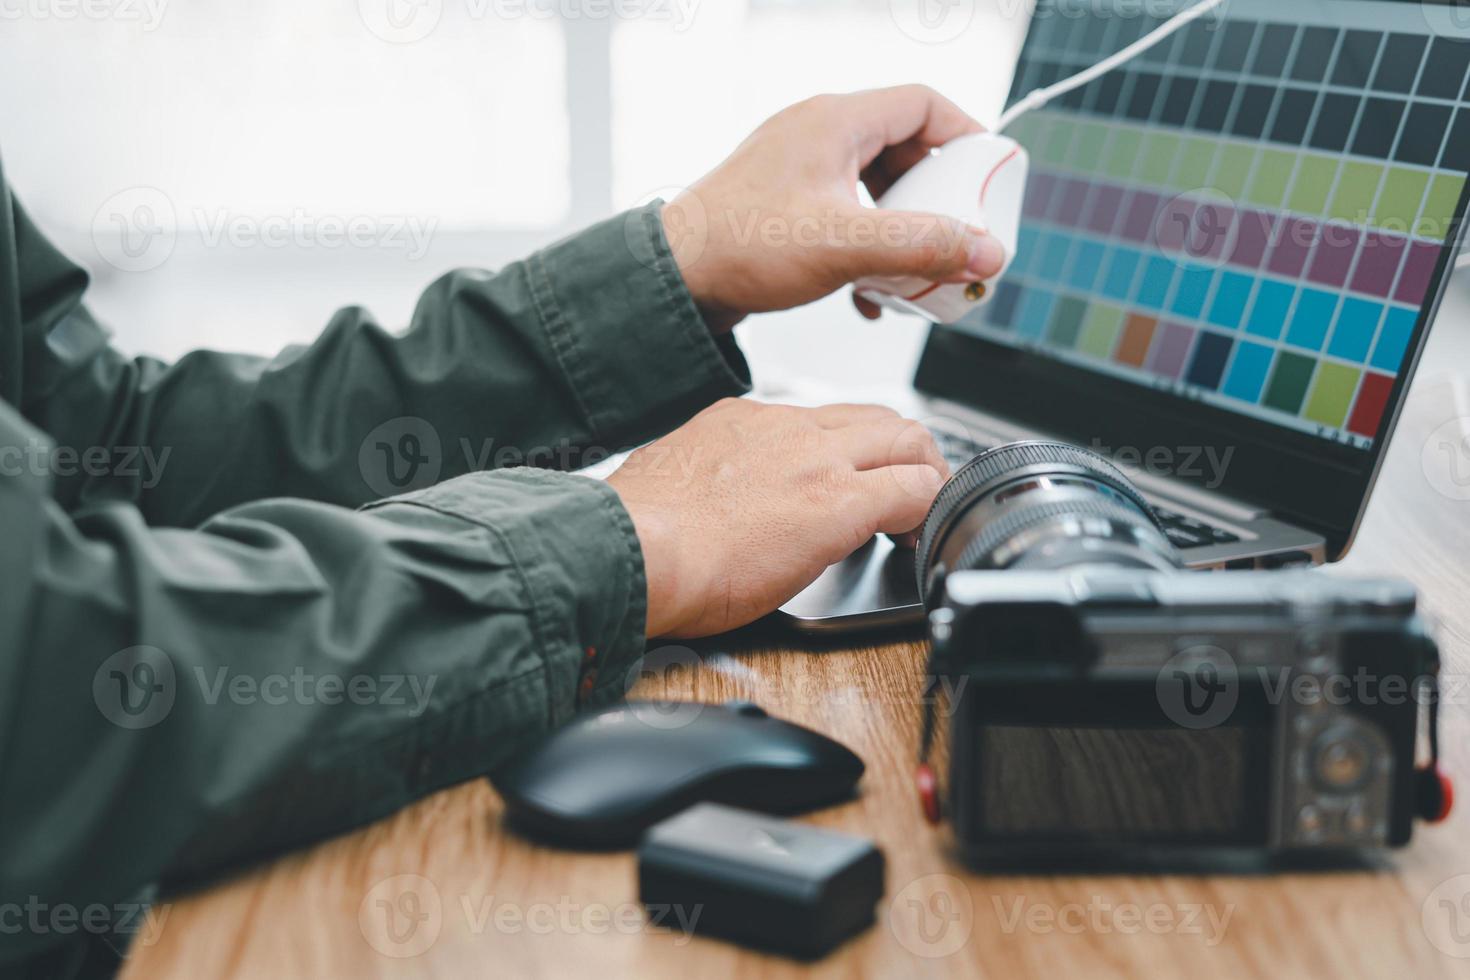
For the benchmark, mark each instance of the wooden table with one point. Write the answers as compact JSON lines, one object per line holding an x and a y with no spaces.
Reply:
{"x":470,"y":899}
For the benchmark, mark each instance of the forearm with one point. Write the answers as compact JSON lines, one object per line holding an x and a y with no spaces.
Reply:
{"x":592,"y":344}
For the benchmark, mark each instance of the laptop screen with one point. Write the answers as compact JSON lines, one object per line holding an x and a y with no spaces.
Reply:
{"x":1248,"y":215}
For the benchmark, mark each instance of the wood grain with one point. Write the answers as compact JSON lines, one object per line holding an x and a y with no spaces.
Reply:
{"x":491,"y":904}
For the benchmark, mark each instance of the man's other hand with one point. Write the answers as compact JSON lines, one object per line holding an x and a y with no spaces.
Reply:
{"x":745,"y":505}
{"x":779,"y":222}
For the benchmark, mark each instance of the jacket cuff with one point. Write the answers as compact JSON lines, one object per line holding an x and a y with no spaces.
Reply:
{"x":580,"y":567}
{"x":625,"y":329}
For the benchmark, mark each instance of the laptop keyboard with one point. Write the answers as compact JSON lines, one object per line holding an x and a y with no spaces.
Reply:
{"x":1181,"y":530}
{"x":956,"y":449}
{"x":1186,"y":532}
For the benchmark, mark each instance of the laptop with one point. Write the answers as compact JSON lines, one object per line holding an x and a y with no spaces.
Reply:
{"x":1231,"y":253}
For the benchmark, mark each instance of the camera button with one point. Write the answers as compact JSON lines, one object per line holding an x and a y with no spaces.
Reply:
{"x":1309,"y":820}
{"x":1341,"y":761}
{"x":1112,"y":590}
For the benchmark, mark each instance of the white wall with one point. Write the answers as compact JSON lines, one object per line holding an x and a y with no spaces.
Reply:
{"x":463,"y":132}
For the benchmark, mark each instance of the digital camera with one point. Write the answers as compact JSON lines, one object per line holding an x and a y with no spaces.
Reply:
{"x":1104,"y":699}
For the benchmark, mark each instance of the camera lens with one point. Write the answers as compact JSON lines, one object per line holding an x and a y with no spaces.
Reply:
{"x":1039,"y":506}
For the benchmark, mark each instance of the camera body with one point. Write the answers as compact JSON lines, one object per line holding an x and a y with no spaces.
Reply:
{"x":1100,"y":708}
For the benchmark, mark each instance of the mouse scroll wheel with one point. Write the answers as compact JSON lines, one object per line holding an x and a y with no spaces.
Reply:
{"x":747,"y":708}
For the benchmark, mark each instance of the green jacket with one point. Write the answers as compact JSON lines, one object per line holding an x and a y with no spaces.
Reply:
{"x":218,"y":641}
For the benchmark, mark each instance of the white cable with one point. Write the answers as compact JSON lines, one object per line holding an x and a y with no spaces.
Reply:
{"x":1037,"y":98}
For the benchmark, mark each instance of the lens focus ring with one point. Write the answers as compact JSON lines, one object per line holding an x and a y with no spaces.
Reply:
{"x":1003,"y":460}
{"x":994,"y":535}
{"x":1005,"y":466}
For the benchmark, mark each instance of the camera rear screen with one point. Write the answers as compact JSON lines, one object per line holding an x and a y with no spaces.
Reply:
{"x":1072,"y":783}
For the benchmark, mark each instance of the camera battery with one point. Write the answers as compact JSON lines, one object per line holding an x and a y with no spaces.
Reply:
{"x":759,"y":880}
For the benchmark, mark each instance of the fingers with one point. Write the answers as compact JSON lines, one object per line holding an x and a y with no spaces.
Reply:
{"x":895,"y":499}
{"x":927,"y":246}
{"x":889,"y":442}
{"x":869,"y":309}
{"x":890,"y":165}
{"x":893,"y":116}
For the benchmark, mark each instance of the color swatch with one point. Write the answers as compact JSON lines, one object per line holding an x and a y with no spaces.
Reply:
{"x":1252,"y":213}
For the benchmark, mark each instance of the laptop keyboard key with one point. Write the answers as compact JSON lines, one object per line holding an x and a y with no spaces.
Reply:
{"x":1181,"y":538}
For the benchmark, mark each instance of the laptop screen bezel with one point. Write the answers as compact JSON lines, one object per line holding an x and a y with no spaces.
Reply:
{"x":1311,"y":481}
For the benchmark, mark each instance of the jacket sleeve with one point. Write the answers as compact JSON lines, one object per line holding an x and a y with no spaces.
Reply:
{"x":585,"y":348}
{"x":176,"y":701}
{"x":227,"y":660}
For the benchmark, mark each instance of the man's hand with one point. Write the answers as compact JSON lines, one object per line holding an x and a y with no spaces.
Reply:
{"x":779,"y":222}
{"x":745,"y":505}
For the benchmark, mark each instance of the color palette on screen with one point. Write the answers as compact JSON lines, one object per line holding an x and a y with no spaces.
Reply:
{"x":1252,"y":213}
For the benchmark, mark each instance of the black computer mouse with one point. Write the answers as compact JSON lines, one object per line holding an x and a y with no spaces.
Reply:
{"x":607,"y":776}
